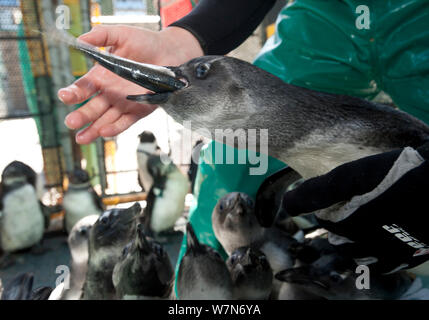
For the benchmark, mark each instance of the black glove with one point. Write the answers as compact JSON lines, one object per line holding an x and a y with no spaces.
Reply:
{"x":376,"y":208}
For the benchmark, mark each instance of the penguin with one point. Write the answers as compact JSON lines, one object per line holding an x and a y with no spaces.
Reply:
{"x":202,"y":274}
{"x":144,"y":270}
{"x":313,"y":132}
{"x":22,"y":221}
{"x":146,"y":148}
{"x":333,"y":277}
{"x":80,"y":199}
{"x":78,"y":245}
{"x":111,"y":232}
{"x":235,"y":225}
{"x":165,"y":201}
{"x":251,"y":274}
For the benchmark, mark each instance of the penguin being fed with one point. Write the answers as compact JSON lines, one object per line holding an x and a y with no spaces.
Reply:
{"x":80,"y":199}
{"x":166,"y":197}
{"x":202,"y":275}
{"x":251,"y":274}
{"x":111,"y":232}
{"x":313,"y":132}
{"x":78,"y":244}
{"x":22,"y":221}
{"x":144,"y":270}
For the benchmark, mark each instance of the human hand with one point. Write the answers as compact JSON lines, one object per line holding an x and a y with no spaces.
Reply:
{"x":108,"y":112}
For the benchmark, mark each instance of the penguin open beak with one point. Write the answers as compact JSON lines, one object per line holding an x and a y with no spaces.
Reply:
{"x":161,"y":80}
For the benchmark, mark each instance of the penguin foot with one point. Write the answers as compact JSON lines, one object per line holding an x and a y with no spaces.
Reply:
{"x":7,"y":260}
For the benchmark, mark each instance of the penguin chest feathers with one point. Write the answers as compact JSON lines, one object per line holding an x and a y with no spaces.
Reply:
{"x":22,"y":222}
{"x":314,"y":159}
{"x":77,"y":205}
{"x":169,"y":205}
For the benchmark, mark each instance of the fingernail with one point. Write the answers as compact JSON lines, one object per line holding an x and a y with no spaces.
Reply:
{"x":80,"y":137}
{"x":63,"y":93}
{"x":70,"y":122}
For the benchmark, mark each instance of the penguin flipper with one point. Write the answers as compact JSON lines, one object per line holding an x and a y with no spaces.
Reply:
{"x":270,"y":194}
{"x":97,"y":200}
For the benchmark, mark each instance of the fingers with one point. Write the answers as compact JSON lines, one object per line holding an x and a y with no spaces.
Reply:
{"x":88,"y":113}
{"x":83,"y":88}
{"x":126,"y":120}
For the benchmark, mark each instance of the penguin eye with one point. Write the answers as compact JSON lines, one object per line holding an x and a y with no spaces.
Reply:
{"x":201,"y":70}
{"x":221,"y":206}
{"x":336,"y":277}
{"x":82,"y":231}
{"x":250,"y":203}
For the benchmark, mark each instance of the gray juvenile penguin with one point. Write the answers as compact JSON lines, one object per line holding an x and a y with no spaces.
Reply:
{"x":203,"y":274}
{"x":107,"y":238}
{"x":80,"y":199}
{"x":311,"y":131}
{"x":235,"y":225}
{"x":333,"y":277}
{"x":78,"y":244}
{"x":251,"y":274}
{"x":144,"y":270}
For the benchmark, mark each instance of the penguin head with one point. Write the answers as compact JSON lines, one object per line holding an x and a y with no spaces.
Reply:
{"x":114,"y":227}
{"x":78,"y":176}
{"x":251,"y":273}
{"x":18,"y":173}
{"x":147,"y":137}
{"x":78,"y":238}
{"x":235,"y":211}
{"x":218,"y":92}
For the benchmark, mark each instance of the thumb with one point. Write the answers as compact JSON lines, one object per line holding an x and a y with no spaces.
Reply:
{"x":103,"y":36}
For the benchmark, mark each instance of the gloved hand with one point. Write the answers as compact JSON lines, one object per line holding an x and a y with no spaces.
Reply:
{"x":376,"y":208}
